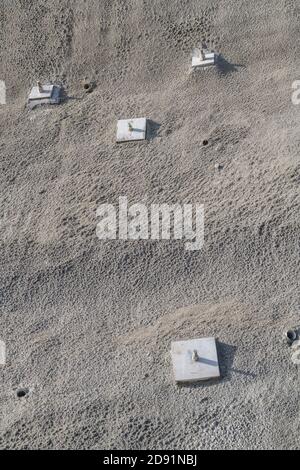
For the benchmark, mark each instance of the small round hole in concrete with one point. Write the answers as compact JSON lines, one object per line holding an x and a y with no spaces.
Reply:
{"x":205,"y":142}
{"x":86,"y":86}
{"x":22,"y":392}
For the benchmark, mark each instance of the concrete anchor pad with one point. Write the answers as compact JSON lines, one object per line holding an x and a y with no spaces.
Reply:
{"x":45,"y":94}
{"x":203,"y":59}
{"x":131,"y":129}
{"x":2,"y":353}
{"x":37,"y":94}
{"x":195,"y":360}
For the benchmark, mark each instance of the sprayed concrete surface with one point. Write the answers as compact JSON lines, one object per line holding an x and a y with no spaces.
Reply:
{"x":88,"y":324}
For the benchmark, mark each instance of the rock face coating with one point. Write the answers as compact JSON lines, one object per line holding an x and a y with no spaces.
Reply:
{"x":88,"y":323}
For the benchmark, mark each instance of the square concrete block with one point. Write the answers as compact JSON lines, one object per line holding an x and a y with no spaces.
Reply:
{"x":197,"y":61}
{"x":2,"y":353}
{"x":51,"y":94}
{"x":131,"y":129}
{"x":2,"y":92}
{"x":195,"y":359}
{"x":47,"y":92}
